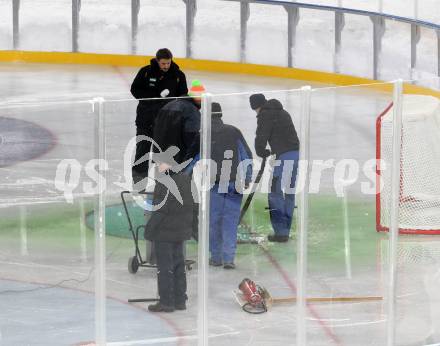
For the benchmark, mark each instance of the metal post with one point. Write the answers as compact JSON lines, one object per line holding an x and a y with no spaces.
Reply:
{"x":438,"y":53}
{"x":135,"y":6}
{"x":303,"y":210}
{"x":378,"y":32}
{"x":15,"y":24}
{"x":76,"y":7}
{"x":244,"y":16}
{"x":339,"y":25}
{"x":394,"y":213}
{"x":191,"y":9}
{"x":416,"y":9}
{"x":415,"y":38}
{"x":292,"y":23}
{"x":100,"y":286}
{"x":203,"y":248}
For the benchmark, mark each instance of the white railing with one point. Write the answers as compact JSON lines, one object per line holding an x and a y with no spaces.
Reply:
{"x":378,"y":21}
{"x":294,"y":10}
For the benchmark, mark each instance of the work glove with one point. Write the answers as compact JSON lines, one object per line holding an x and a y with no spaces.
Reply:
{"x":264,"y":153}
{"x":164,"y":93}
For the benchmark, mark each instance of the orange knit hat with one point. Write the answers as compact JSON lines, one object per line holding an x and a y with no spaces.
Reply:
{"x":197,"y":89}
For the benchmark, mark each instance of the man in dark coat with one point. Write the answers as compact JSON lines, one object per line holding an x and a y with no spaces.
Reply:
{"x":168,"y":228}
{"x":275,"y":127}
{"x":176,"y":131}
{"x":152,"y":85}
{"x":229,"y":151}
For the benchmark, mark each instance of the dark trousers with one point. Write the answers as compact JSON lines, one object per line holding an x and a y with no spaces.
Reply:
{"x":143,"y":147}
{"x":171,"y":275}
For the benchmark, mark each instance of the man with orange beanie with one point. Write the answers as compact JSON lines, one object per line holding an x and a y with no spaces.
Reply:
{"x":177,"y":125}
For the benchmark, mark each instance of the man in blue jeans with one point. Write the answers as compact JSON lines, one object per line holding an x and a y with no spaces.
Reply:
{"x":275,"y":127}
{"x":228,"y":150}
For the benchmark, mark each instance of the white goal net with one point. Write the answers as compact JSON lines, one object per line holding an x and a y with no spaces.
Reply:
{"x":419,"y":196}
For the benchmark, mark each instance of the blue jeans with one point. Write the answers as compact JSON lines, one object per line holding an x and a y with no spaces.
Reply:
{"x":281,"y":204}
{"x":223,"y":222}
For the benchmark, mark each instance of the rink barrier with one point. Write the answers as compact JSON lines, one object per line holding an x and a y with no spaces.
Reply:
{"x":294,"y":10}
{"x":378,"y":21}
{"x":205,"y":65}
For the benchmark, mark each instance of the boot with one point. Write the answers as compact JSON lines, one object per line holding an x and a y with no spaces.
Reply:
{"x":158,"y":307}
{"x":180,"y":306}
{"x":215,"y":263}
{"x":278,"y":238}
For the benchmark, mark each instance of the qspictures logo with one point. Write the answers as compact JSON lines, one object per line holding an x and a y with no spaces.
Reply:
{"x":339,"y":173}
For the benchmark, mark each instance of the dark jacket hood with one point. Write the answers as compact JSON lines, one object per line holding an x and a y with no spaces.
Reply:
{"x":275,"y":127}
{"x":216,"y":123}
{"x":273,"y":104}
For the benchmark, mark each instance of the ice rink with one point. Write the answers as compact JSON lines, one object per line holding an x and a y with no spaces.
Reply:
{"x":47,"y":277}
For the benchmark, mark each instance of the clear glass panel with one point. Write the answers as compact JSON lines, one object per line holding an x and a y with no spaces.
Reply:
{"x":23,"y":82}
{"x":46,"y":244}
{"x":418,"y":249}
{"x":269,"y":265}
{"x":357,"y":36}
{"x":314,"y":48}
{"x":40,"y":19}
{"x":345,"y":285}
{"x":225,"y":29}
{"x":105,"y":27}
{"x":372,"y":6}
{"x":404,"y":8}
{"x":425,"y":12}
{"x":427,"y":62}
{"x":265,"y":32}
{"x":6,"y":24}
{"x":132,"y":261}
{"x":396,"y":46}
{"x":431,"y":86}
{"x":162,"y":24}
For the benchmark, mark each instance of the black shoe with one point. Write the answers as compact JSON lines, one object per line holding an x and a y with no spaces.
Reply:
{"x":180,"y":306}
{"x":229,"y":266}
{"x":158,"y":307}
{"x":214,"y":263}
{"x":278,"y":238}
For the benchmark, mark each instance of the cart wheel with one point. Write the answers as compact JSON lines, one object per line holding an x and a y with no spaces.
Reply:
{"x":133,"y":264}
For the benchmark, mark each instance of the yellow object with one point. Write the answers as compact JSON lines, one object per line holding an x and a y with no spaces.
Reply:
{"x":205,"y":65}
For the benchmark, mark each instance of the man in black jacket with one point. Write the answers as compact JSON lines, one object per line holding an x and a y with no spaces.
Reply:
{"x":275,"y":127}
{"x":176,"y":132}
{"x":229,"y":151}
{"x":153,"y":83}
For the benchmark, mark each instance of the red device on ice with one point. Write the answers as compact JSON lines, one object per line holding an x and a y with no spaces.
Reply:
{"x":253,"y":295}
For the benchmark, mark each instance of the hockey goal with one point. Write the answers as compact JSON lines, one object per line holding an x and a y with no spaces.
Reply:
{"x":419,"y":195}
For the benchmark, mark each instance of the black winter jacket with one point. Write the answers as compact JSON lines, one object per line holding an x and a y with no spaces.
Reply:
{"x":275,"y":126}
{"x":178,"y":124}
{"x":149,"y":83}
{"x":227,"y":137}
{"x":173,"y":222}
